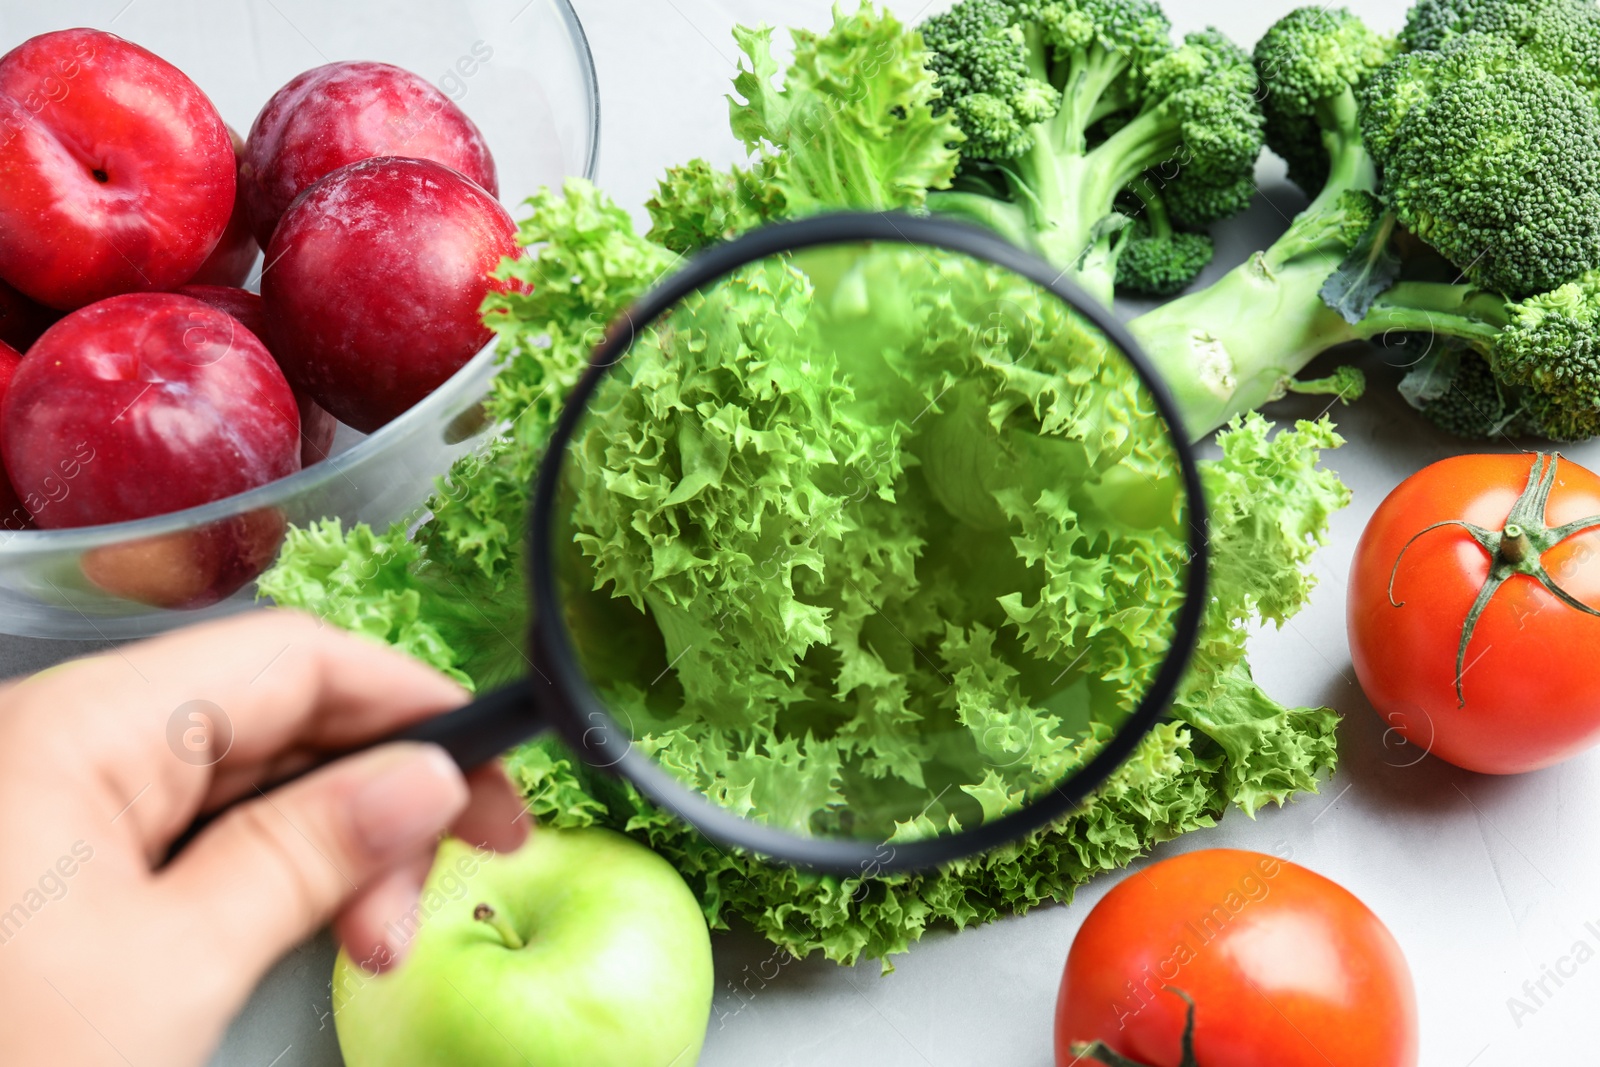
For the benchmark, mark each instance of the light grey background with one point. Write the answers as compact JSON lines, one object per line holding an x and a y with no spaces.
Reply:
{"x":1484,"y":881}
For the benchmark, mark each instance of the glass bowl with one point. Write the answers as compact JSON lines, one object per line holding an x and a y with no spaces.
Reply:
{"x":523,"y":72}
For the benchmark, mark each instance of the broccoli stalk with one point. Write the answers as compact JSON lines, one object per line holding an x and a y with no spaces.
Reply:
{"x":1067,"y":103}
{"x":1240,"y":343}
{"x":1347,"y":385}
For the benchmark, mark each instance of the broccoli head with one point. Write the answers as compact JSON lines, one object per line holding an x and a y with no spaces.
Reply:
{"x":1498,"y":367}
{"x":1161,"y":264}
{"x":1065,"y":103}
{"x":1311,"y":62}
{"x":1471,"y":402}
{"x":981,"y":57}
{"x":1490,"y":159}
{"x":1207,"y":90}
{"x":1551,"y":351}
{"x":1562,"y":36}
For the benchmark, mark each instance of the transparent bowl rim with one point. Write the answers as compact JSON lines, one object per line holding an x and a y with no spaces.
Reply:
{"x":82,"y":538}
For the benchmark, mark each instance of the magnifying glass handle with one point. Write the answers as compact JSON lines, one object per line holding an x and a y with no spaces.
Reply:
{"x":482,"y":730}
{"x":472,"y":735}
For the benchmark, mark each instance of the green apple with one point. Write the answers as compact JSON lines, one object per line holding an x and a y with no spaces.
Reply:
{"x":580,"y":948}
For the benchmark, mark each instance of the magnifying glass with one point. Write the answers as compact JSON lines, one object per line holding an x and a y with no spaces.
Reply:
{"x":865,"y":542}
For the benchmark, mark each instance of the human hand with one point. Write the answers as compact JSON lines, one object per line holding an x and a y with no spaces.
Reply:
{"x":107,"y":957}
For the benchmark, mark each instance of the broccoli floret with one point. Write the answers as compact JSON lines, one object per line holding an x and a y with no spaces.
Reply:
{"x":1497,"y":367}
{"x":1336,"y":225}
{"x":1490,"y":159}
{"x":1346,"y":385}
{"x":1551,"y":417}
{"x":1155,"y":259}
{"x":1161,"y":265}
{"x":1065,"y":103}
{"x":1204,"y":86}
{"x":981,"y":58}
{"x":1471,"y":402}
{"x":1311,"y":63}
{"x":1531,"y":366}
{"x":1562,"y":36}
{"x":1551,"y":351}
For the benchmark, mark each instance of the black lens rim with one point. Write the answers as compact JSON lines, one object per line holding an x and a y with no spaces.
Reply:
{"x":575,"y":711}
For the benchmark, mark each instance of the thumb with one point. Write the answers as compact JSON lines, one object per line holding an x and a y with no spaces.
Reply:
{"x":272,"y":871}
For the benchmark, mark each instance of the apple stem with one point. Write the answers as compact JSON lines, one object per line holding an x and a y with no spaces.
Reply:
{"x":508,"y":933}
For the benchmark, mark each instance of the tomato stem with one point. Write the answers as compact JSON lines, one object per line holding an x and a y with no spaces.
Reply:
{"x":1099,"y":1050}
{"x":1518,"y":547}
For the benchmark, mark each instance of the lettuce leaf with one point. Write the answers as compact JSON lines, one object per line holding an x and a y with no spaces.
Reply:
{"x":852,"y":126}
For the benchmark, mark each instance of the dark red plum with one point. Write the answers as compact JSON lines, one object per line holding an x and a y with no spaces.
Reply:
{"x":13,"y":516}
{"x":116,"y":171}
{"x":374,"y":281}
{"x":230,"y":262}
{"x":345,"y":112}
{"x":141,"y":405}
{"x":190,"y":568}
{"x":317,"y":427}
{"x":22,"y":320}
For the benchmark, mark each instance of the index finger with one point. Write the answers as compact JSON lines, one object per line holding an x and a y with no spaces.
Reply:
{"x":204,"y":713}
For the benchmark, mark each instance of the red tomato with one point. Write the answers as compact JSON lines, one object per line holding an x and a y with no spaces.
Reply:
{"x":1525,"y":694}
{"x":1284,"y":968}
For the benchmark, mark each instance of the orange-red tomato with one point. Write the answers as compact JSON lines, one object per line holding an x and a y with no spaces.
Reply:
{"x":1284,"y":968}
{"x":1529,"y":693}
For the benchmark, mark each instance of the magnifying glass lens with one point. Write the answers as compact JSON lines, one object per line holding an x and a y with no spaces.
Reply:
{"x":876,"y":541}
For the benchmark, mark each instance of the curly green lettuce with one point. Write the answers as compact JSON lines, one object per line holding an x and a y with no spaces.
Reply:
{"x":851,"y":126}
{"x":902,"y":499}
{"x":450,"y":593}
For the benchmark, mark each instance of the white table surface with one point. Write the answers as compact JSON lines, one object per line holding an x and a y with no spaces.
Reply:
{"x":1482,"y":880}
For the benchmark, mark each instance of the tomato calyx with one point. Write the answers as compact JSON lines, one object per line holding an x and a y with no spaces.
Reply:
{"x":1098,"y":1050}
{"x":1517,"y":548}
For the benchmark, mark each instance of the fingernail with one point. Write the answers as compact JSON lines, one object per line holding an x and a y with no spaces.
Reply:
{"x":408,"y":803}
